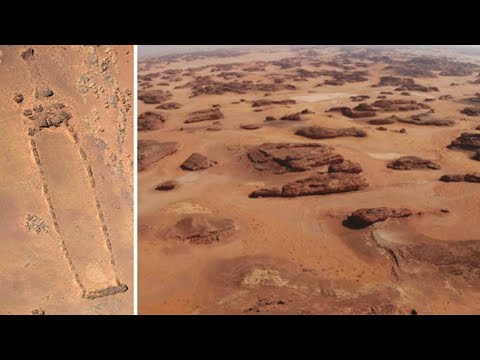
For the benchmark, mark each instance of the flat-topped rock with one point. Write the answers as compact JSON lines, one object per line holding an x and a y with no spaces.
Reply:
{"x":412,"y":163}
{"x":317,"y":132}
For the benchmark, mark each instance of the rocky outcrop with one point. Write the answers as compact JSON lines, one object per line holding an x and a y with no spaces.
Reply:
{"x":346,"y":111}
{"x":399,"y":105}
{"x":292,"y":117}
{"x":318,"y":184}
{"x":385,"y":121}
{"x":280,"y":158}
{"x":169,"y":106}
{"x":317,"y":132}
{"x":452,"y":178}
{"x":471,"y":111}
{"x":250,"y":126}
{"x":201,"y":229}
{"x":412,"y":163}
{"x":472,"y":177}
{"x":260,"y":103}
{"x":204,"y":115}
{"x":154,"y":96}
{"x":365,"y":217}
{"x":151,"y":151}
{"x":466,"y":141}
{"x":167,"y":186}
{"x":196,"y":162}
{"x":51,"y":116}
{"x":43,"y":92}
{"x":346,"y":166}
{"x":149,"y":121}
{"x":427,"y":119}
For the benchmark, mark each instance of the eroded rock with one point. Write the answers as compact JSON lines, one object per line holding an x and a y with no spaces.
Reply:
{"x":364,"y":217}
{"x":317,"y":132}
{"x":151,"y":151}
{"x":412,"y":163}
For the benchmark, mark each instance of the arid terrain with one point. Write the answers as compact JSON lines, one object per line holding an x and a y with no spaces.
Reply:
{"x":308,"y":181}
{"x":66,"y":180}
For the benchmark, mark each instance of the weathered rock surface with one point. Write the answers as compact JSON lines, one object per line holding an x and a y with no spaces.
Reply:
{"x":196,"y":162}
{"x":317,"y":132}
{"x":280,"y":158}
{"x":154,"y":96}
{"x":471,"y":111}
{"x":427,"y":119}
{"x":260,"y":103}
{"x":346,"y":111}
{"x":412,"y":163}
{"x":467,"y":141}
{"x":169,"y":106}
{"x":18,"y":98}
{"x":151,"y":151}
{"x":318,"y":184}
{"x":201,"y":229}
{"x":43,"y":92}
{"x":53,"y":116}
{"x":365,"y":217}
{"x":250,"y":126}
{"x":28,"y":54}
{"x":346,"y":166}
{"x":204,"y":115}
{"x":292,"y":117}
{"x":149,"y":121}
{"x":452,"y":178}
{"x":399,"y":105}
{"x":385,"y":121}
{"x":472,"y":177}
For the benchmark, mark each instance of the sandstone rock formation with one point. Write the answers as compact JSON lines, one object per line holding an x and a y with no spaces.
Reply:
{"x":317,"y":132}
{"x":201,"y":229}
{"x":318,"y":184}
{"x":149,"y":121}
{"x":196,"y":162}
{"x":346,"y":166}
{"x":412,"y":163}
{"x":280,"y":158}
{"x":204,"y":115}
{"x":364,"y":217}
{"x":151,"y":151}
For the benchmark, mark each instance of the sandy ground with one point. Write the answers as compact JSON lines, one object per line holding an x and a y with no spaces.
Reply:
{"x":66,"y":236}
{"x":292,"y":255}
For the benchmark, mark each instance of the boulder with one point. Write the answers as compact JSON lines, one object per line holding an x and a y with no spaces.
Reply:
{"x":412,"y":163}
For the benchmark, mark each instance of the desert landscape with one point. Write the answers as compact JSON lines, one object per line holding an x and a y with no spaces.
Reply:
{"x":317,"y":180}
{"x":66,"y":184}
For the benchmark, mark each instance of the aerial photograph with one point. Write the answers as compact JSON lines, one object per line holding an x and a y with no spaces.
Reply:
{"x":66,"y":184}
{"x":276,"y":180}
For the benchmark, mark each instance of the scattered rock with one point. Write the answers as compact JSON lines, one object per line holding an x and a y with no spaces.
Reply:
{"x":346,"y":111}
{"x":27,"y":112}
{"x":18,"y":98}
{"x":196,"y":162}
{"x":28,"y":54}
{"x":270,"y":118}
{"x":359,"y":98}
{"x":52,"y":116}
{"x":399,"y":105}
{"x":467,"y":141}
{"x":427,"y":119}
{"x":381,"y":128}
{"x":151,"y":151}
{"x":317,"y":132}
{"x":412,"y":162}
{"x":446,"y":97}
{"x":214,"y":128}
{"x":38,"y":311}
{"x":43,"y":92}
{"x":365,"y":217}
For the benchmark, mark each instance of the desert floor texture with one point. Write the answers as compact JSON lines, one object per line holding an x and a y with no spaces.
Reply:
{"x":66,"y":183}
{"x":296,"y":181}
